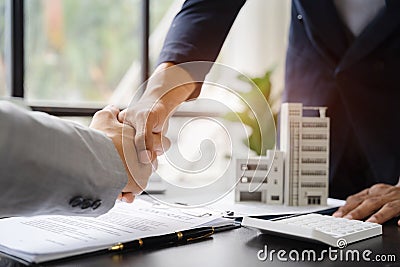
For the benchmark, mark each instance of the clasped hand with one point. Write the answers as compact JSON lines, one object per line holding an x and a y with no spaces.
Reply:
{"x":140,"y":139}
{"x":122,"y":136}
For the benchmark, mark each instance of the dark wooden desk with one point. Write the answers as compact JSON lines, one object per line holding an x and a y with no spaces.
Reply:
{"x":239,"y":248}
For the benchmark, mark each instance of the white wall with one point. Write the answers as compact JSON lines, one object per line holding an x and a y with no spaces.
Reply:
{"x":258,"y":40}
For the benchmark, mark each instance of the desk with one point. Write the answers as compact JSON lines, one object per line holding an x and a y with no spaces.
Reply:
{"x":238,"y":247}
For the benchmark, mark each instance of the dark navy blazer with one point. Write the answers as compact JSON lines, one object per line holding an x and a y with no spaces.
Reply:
{"x":358,"y":79}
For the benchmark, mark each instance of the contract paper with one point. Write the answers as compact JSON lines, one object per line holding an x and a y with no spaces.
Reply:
{"x":242,"y":209}
{"x":44,"y":238}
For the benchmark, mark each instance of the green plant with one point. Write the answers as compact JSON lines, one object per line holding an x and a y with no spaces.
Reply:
{"x":262,"y":135}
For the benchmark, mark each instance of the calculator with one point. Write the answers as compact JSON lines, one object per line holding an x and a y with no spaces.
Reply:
{"x":336,"y":232}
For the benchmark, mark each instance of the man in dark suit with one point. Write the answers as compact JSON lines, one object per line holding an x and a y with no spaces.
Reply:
{"x":343,"y":54}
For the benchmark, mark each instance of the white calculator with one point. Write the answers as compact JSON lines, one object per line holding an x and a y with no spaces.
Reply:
{"x":336,"y":232}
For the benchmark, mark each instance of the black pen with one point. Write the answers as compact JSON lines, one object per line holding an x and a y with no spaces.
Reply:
{"x":179,"y":237}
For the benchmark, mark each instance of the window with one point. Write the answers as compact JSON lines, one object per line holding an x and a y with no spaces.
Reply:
{"x":161,"y":14}
{"x":77,"y":51}
{"x":3,"y":90}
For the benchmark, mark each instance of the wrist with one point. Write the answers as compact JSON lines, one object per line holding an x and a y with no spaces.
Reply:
{"x":169,"y":84}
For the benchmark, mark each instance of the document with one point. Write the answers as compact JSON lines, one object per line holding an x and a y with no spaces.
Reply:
{"x":242,"y":209}
{"x":43,"y":238}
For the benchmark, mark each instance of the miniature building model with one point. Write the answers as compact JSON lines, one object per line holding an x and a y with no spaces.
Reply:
{"x":305,"y":144}
{"x":253,"y":174}
{"x":299,"y":172}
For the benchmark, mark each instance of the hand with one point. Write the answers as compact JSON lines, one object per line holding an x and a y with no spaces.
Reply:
{"x":168,"y":87}
{"x":151,"y":121}
{"x":379,"y":203}
{"x":106,"y":120}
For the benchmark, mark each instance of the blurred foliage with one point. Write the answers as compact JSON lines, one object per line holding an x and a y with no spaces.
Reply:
{"x":255,"y":142}
{"x":79,"y":50}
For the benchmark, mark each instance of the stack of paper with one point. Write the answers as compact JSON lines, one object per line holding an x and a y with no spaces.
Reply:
{"x":242,"y":209}
{"x":45,"y":238}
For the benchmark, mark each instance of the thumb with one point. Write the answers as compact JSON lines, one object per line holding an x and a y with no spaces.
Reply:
{"x":113,"y":109}
{"x":105,"y":115}
{"x":122,"y":115}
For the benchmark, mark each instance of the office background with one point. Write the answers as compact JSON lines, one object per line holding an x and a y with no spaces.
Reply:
{"x":70,"y":57}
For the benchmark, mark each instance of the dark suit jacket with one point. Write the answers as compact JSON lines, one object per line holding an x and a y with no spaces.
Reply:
{"x":358,"y":79}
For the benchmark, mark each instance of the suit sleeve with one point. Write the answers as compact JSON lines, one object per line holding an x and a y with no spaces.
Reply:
{"x":198,"y":32}
{"x":46,"y":162}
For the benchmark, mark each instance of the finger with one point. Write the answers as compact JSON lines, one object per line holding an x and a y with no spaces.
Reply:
{"x":166,"y":143}
{"x":366,"y":208}
{"x":127,"y":197}
{"x":104,"y":115}
{"x":162,"y":119}
{"x":122,"y":115}
{"x":129,"y":116}
{"x":362,"y":193}
{"x":161,"y":144}
{"x":144,"y":139}
{"x":349,"y":206}
{"x":351,"y":203}
{"x":113,"y":109}
{"x":387,"y":212}
{"x":144,"y":120}
{"x":119,"y":196}
{"x":157,"y":145}
{"x":154,"y":164}
{"x":165,"y":126}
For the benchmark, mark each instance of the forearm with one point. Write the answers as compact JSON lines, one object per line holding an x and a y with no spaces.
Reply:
{"x":45,"y":162}
{"x":170,"y":85}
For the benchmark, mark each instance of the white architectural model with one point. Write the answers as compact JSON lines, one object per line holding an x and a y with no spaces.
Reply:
{"x":252,"y":175}
{"x":305,"y":144}
{"x":299,"y":172}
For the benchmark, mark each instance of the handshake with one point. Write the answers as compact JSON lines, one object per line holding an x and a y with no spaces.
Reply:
{"x":127,"y":142}
{"x":138,"y":132}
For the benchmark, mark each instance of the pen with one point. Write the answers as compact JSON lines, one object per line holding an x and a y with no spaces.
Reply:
{"x":167,"y":239}
{"x":227,"y":227}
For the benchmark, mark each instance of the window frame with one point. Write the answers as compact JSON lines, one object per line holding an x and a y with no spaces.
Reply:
{"x":15,"y":49}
